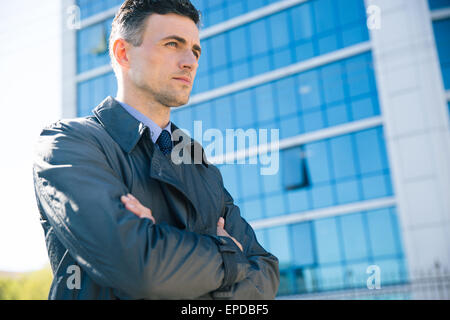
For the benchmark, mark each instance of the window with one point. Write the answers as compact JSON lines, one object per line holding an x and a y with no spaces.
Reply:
{"x":383,"y":232}
{"x":280,"y":245}
{"x":295,"y":173}
{"x":327,"y":241}
{"x":438,"y":4}
{"x":302,"y":244}
{"x":238,"y":44}
{"x":441,"y":32}
{"x":92,"y":46}
{"x":354,"y":237}
{"x":343,"y":157}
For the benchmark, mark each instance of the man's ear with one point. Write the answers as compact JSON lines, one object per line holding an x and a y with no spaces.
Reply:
{"x":120,"y":51}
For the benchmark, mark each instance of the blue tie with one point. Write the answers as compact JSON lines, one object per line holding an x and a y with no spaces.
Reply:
{"x":165,"y":142}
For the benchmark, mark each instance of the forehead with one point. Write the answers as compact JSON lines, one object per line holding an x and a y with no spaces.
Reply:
{"x":160,"y":26}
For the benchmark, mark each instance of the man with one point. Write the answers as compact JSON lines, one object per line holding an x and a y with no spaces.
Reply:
{"x":121,"y":219}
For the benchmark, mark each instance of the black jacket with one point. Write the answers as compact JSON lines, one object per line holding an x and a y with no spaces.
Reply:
{"x":81,"y":168}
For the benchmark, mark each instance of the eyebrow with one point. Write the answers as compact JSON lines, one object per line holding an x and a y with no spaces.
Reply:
{"x":183,"y":41}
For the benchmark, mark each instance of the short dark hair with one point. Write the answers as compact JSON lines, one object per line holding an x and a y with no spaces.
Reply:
{"x":129,"y":22}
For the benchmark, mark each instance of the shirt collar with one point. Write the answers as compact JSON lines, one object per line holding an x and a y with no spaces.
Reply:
{"x":155,"y":130}
{"x":126,"y":130}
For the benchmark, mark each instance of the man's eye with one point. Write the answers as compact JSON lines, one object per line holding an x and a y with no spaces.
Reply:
{"x":172,"y":43}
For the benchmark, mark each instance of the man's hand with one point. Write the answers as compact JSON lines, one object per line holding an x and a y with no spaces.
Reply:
{"x":133,"y":205}
{"x":222,"y":232}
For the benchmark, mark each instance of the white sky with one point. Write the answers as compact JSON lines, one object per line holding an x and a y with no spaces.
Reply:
{"x":30,"y":95}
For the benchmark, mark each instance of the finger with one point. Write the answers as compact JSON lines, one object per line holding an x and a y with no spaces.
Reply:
{"x":221,"y":223}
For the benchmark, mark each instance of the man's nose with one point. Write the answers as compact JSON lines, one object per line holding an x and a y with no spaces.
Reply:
{"x":189,"y":60}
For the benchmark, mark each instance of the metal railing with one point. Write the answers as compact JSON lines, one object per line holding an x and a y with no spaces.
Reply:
{"x":432,"y":284}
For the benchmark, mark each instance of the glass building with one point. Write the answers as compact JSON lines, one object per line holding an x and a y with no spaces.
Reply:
{"x":361,"y":103}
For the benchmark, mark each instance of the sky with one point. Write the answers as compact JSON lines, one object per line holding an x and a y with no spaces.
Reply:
{"x":30,"y":98}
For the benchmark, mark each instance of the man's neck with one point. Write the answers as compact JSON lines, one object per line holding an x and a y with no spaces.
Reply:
{"x":158,"y":113}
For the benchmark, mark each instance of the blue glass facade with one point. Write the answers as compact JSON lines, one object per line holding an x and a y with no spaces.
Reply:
{"x":93,"y":7}
{"x":319,"y":254}
{"x":304,"y":31}
{"x":217,"y":11}
{"x":441,"y":31}
{"x":438,"y":4}
{"x":334,"y":252}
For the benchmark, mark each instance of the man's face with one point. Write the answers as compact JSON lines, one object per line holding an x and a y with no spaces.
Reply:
{"x":170,"y":50}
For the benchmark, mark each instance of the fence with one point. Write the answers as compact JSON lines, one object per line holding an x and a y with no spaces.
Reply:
{"x":433,"y":284}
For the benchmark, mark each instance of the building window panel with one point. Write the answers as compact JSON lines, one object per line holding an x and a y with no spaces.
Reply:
{"x":286,"y":96}
{"x":294,"y":168}
{"x":260,"y":64}
{"x":235,"y":8}
{"x":238,"y":44}
{"x":327,"y":241}
{"x":441,"y":32}
{"x":272,"y":182}
{"x":258,"y":36}
{"x":302,"y":24}
{"x":301,"y":238}
{"x":204,"y":113}
{"x":351,"y":11}
{"x":356,"y":274}
{"x":347,"y":191}
{"x":342,"y":157}
{"x":230,"y":179}
{"x":318,"y":162}
{"x":221,"y":77}
{"x":216,"y":15}
{"x":275,"y":205}
{"x":324,"y":14}
{"x":289,"y":127}
{"x":243,"y":109}
{"x":313,"y":121}
{"x":363,"y":108}
{"x":328,"y":43}
{"x":337,"y":114}
{"x":353,"y":236}
{"x":278,"y":26}
{"x":322,"y":196}
{"x":304,"y":51}
{"x":249,"y":174}
{"x":253,"y":209}
{"x":280,"y":245}
{"x":282,"y":58}
{"x":382,"y":233}
{"x":357,"y":75}
{"x":218,"y":49}
{"x":265,"y":107}
{"x":309,"y":90}
{"x":354,"y":34}
{"x":298,"y":200}
{"x":89,"y":8}
{"x":240,"y":71}
{"x":438,"y":4}
{"x":333,"y":85}
{"x":331,"y":278}
{"x":368,"y":146}
{"x":374,"y":187}
{"x":92,"y":48}
{"x":392,"y":271}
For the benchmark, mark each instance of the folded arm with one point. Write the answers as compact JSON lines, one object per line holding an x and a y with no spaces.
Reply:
{"x":263,"y":278}
{"x":79,"y":194}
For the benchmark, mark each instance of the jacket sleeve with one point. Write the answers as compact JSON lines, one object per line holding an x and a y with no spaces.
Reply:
{"x":263,"y":278}
{"x":79,"y":194}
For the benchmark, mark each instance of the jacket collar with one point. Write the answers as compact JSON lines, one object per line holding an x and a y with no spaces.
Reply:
{"x":127,"y":130}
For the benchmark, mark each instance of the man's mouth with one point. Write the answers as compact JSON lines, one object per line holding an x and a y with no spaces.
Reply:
{"x":185,"y":80}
